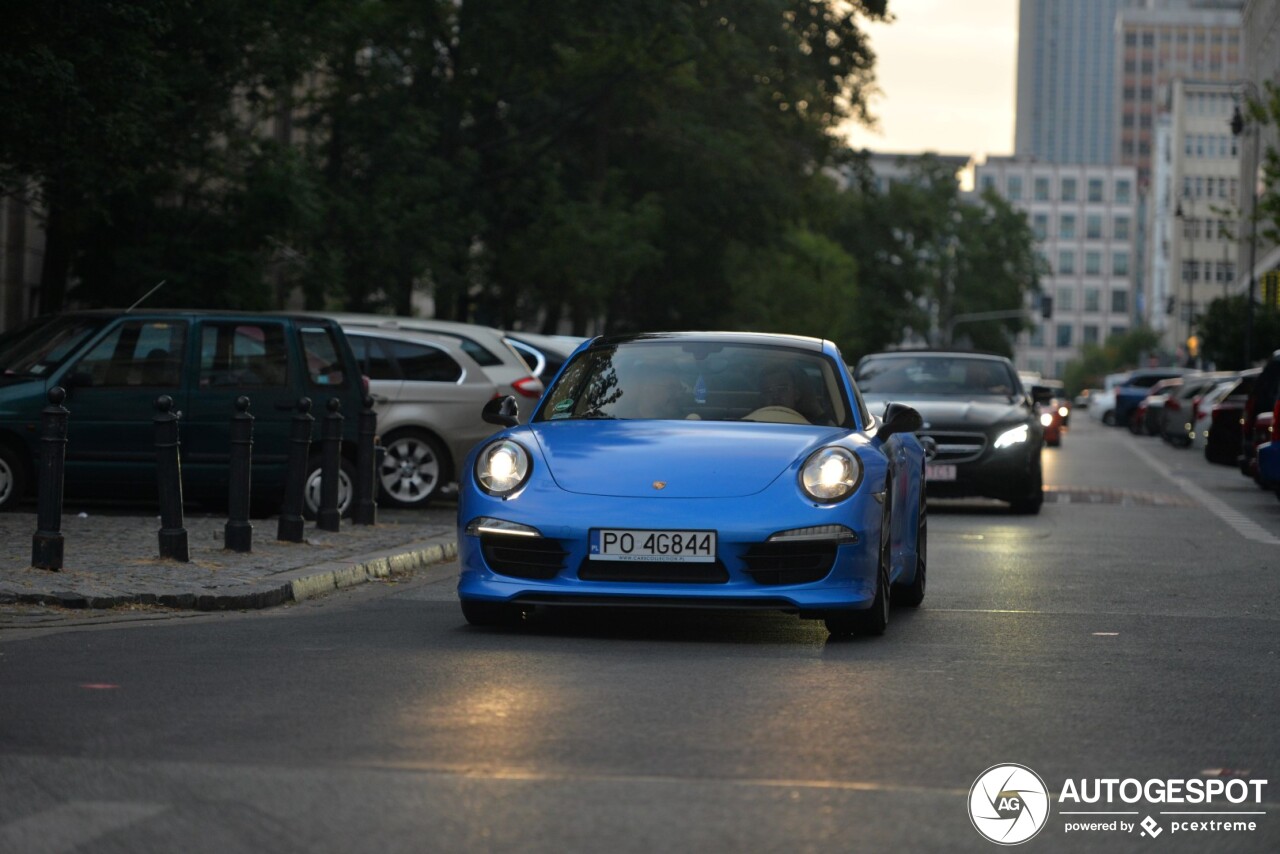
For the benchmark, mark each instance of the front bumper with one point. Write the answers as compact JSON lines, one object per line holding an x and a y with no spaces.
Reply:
{"x":746,"y":574}
{"x":1006,"y":474}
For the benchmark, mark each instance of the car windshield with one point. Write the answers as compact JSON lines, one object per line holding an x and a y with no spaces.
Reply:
{"x":40,"y":347}
{"x":699,"y":381}
{"x":936,"y":375}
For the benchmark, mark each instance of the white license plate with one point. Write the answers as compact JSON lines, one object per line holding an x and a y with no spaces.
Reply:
{"x":647,"y":545}
{"x":941,"y":471}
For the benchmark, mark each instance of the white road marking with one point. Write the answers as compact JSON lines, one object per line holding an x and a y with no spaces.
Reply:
{"x":1240,"y":523}
{"x":68,"y":826}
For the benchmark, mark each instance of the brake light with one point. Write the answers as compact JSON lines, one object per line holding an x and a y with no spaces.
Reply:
{"x":528,"y":386}
{"x":364,"y":386}
{"x":1172,"y":405}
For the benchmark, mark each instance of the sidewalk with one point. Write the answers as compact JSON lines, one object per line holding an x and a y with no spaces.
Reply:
{"x":112,"y":560}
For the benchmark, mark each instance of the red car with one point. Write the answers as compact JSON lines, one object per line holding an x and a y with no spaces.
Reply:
{"x":1257,"y":425}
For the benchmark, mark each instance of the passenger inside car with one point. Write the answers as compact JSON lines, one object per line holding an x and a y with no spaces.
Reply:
{"x":654,"y":392}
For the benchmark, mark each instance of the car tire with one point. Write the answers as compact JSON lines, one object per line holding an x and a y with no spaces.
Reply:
{"x":868,"y":622}
{"x":414,"y":468}
{"x":1030,"y":504}
{"x":13,"y":478}
{"x":911,"y":595}
{"x":490,"y":613}
{"x":1109,"y":418}
{"x":346,"y":488}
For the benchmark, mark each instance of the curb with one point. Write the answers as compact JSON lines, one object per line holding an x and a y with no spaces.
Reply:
{"x":328,"y":581}
{"x":313,"y":583}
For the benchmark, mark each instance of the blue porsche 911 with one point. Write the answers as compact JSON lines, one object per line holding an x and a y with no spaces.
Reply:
{"x":712,"y":470}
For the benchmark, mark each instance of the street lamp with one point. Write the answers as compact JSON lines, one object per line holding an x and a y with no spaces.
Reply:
{"x":1237,"y":128}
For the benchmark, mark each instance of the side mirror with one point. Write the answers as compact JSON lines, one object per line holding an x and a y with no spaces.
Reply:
{"x":899,"y":418}
{"x":1041,"y":394}
{"x":502,"y":411}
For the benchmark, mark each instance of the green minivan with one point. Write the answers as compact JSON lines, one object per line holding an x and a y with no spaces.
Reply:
{"x":113,"y":366}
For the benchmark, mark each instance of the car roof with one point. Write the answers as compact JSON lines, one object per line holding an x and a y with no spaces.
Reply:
{"x":184,"y":312}
{"x":776,"y":338}
{"x":444,"y":342}
{"x":916,"y":353}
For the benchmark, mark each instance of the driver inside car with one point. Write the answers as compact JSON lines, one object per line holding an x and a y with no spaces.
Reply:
{"x":780,"y":396}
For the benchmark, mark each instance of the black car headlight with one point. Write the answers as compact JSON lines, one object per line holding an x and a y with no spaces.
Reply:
{"x":831,"y":474}
{"x":1013,"y":436}
{"x":502,"y":467}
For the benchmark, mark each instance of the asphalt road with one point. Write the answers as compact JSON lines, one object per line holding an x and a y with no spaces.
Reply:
{"x":1128,"y":631}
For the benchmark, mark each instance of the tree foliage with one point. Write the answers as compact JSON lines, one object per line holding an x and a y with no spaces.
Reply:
{"x":1221,"y":331}
{"x":632,"y":163}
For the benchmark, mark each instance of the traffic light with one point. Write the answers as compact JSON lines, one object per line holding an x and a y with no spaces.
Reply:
{"x":1046,"y":306}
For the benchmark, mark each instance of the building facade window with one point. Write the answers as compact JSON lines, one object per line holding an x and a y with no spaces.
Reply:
{"x":1040,"y":226}
{"x":1066,"y":263}
{"x":1042,"y":189}
{"x":1120,"y":229}
{"x":1064,"y":334}
{"x":1095,"y":189}
{"x":1093,"y":263}
{"x":1092,"y":299}
{"x":1067,"y":227}
{"x":1120,"y":263}
{"x":1089,"y":334}
{"x":1066,"y":298}
{"x":1123,"y":191}
{"x":1093,"y":227}
{"x":1068,"y":193}
{"x":1015,"y":188}
{"x":1120,"y":301}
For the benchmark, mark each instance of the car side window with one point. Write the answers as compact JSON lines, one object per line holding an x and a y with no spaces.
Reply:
{"x":324,"y":366}
{"x":243,"y":354}
{"x":424,"y":363}
{"x":372,"y":356}
{"x":136,"y":353}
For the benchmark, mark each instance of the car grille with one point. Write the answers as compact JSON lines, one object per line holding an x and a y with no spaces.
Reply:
{"x":523,"y":557}
{"x":957,"y":447}
{"x":798,"y":562}
{"x":653,"y":572}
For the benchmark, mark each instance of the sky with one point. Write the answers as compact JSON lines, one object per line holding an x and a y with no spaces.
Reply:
{"x":947,"y":72}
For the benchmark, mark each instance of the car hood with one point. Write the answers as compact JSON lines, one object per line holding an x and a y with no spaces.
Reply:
{"x":697,"y":459}
{"x":956,"y":413}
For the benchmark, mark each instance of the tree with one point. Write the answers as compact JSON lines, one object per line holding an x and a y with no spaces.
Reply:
{"x":116,"y":114}
{"x":1220,"y":331}
{"x":1126,"y":350}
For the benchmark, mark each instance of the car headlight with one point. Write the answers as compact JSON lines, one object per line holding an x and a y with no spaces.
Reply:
{"x":502,"y":467}
{"x":1009,"y":438}
{"x":1045,"y":418}
{"x":830,"y":474}
{"x":1063,"y":411}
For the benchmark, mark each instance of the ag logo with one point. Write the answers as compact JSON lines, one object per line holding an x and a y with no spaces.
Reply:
{"x":1008,"y":804}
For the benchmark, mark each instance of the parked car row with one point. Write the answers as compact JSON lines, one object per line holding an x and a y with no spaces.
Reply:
{"x":428,"y":379}
{"x":1230,"y":416}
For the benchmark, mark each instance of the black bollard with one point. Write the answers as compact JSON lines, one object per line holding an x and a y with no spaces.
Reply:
{"x":173,"y":536}
{"x":365,"y":510}
{"x":328,"y":517}
{"x":291,"y":524}
{"x":237,"y":534}
{"x":46,"y":545}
